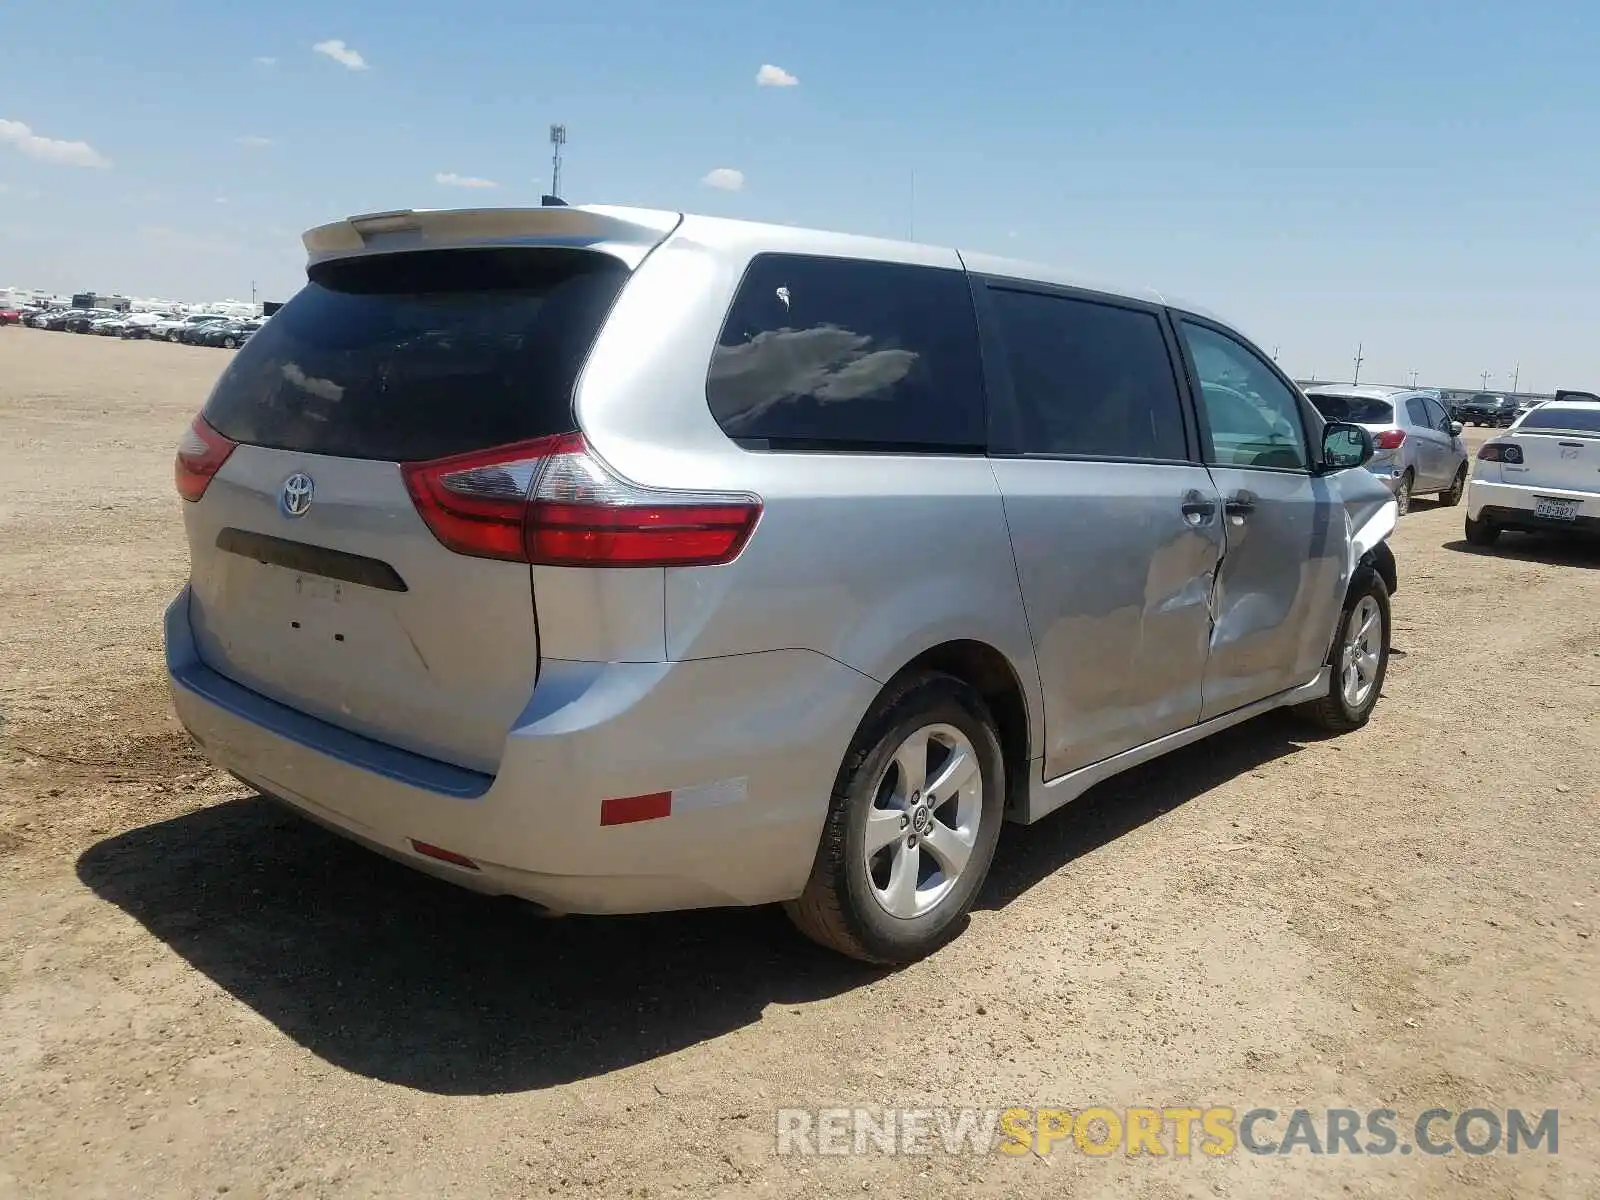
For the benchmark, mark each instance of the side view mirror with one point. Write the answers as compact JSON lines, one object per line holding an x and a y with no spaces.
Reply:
{"x":1345,"y":446}
{"x":1455,"y":428}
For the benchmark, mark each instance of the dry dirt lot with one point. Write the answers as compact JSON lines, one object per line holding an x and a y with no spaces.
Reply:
{"x":201,"y":995}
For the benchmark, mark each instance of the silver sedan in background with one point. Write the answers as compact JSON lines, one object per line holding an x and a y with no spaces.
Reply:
{"x":1417,"y":446}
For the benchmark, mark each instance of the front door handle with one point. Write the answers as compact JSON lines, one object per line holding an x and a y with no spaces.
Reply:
{"x":1197,"y":510}
{"x":1239,"y":506}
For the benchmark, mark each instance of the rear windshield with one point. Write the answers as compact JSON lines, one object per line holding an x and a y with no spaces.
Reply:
{"x":413,"y":356}
{"x":1572,"y":420}
{"x":1355,"y":409}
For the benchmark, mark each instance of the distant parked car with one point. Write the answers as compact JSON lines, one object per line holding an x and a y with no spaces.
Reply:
{"x":1417,"y":446}
{"x":84,"y":321}
{"x":1541,"y":474}
{"x":1487,"y":408}
{"x":10,"y":316}
{"x":108,"y":326}
{"x":140,"y":325}
{"x":229,"y":335}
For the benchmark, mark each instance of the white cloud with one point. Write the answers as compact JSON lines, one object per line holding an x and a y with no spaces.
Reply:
{"x":726,"y":178}
{"x":266,"y":60}
{"x":771,"y":76}
{"x":254,"y":140}
{"x":66,"y":154}
{"x":335,"y":49}
{"x":451,"y":179}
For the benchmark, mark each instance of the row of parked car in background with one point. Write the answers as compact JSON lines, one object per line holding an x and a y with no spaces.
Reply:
{"x":193,"y":329}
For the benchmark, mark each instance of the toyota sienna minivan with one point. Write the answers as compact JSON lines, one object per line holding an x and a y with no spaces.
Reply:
{"x":626,"y":561}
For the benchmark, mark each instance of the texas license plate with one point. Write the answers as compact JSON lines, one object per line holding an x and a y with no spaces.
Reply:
{"x":1556,"y":510}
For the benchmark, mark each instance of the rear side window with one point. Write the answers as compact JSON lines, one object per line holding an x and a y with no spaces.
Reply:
{"x":1419,"y":412}
{"x":833,"y":354}
{"x":1088,"y":379}
{"x":406,"y":357}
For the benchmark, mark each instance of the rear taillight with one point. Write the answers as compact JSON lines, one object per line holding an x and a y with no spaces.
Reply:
{"x":554,"y":503}
{"x":1389,"y":439}
{"x":1502,"y":452}
{"x":201,"y":453}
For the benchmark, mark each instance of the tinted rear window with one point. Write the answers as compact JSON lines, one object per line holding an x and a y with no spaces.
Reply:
{"x":836,"y":354}
{"x":1356,"y":409}
{"x":415,"y":356}
{"x":1575,"y":420}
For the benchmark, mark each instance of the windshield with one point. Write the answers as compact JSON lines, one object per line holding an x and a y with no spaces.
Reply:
{"x":1359,"y":410}
{"x":1573,"y":420}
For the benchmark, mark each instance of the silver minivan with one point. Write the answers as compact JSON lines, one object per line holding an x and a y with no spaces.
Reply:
{"x":624,"y":560}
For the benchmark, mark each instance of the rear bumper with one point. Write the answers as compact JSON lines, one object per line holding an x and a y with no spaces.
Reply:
{"x":748,"y":745}
{"x":1512,"y":506}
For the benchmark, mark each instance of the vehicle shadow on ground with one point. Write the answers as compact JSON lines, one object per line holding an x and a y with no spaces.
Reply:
{"x":1550,"y":550}
{"x":397,"y":976}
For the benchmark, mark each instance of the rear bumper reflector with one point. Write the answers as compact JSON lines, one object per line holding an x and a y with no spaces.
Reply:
{"x":624,"y":810}
{"x":449,"y":856}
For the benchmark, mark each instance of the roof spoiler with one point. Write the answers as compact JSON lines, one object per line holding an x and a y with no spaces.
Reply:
{"x":626,"y":233}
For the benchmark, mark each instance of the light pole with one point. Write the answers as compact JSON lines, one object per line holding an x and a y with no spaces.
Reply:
{"x":1413,"y":378}
{"x":1516,"y":374}
{"x":1485,"y":377}
{"x":1359,"y":361}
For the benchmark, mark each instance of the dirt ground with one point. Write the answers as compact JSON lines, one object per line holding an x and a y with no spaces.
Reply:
{"x":201,"y":995}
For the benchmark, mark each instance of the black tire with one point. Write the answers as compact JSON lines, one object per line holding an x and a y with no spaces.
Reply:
{"x":838,"y":908}
{"x":228,"y":343}
{"x":1334,"y":712}
{"x":1482,"y":533}
{"x":1402,"y":495}
{"x":1458,"y":487}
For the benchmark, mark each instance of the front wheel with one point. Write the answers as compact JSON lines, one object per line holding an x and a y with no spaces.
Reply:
{"x":1402,"y":494}
{"x":1360,"y":658}
{"x":1458,"y":487}
{"x":911,"y":826}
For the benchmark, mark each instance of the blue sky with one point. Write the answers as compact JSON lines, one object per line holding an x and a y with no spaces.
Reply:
{"x":1417,"y":176}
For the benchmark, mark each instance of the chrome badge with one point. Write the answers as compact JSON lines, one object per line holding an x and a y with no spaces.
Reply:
{"x":295,"y":498}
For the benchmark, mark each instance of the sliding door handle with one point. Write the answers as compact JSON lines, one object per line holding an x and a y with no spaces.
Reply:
{"x":1197,"y":510}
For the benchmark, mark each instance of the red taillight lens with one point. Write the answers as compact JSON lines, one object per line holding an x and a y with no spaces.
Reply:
{"x":1503,"y":452}
{"x":477,"y":503}
{"x":201,"y":454}
{"x":554,"y":503}
{"x":1389,"y":439}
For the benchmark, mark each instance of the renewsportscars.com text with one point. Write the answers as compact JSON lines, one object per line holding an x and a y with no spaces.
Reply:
{"x":1177,"y":1131}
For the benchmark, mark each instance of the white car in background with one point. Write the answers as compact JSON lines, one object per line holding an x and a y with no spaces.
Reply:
{"x":1543,"y":473}
{"x":172,"y":330}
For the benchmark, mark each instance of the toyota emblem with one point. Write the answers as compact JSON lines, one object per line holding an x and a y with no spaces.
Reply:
{"x":295,"y":498}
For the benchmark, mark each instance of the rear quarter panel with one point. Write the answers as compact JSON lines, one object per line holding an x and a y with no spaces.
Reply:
{"x":868,"y":559}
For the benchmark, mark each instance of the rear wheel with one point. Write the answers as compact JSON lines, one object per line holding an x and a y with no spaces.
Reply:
{"x":911,"y":827}
{"x":1402,"y":494}
{"x":228,"y":343}
{"x":1360,"y":658}
{"x":1452,"y":497}
{"x":1482,"y":532}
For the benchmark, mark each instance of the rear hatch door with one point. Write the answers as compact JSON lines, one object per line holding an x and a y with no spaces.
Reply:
{"x":314,"y":579}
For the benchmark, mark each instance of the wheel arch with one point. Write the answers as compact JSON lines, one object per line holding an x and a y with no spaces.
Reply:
{"x":993,"y":675}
